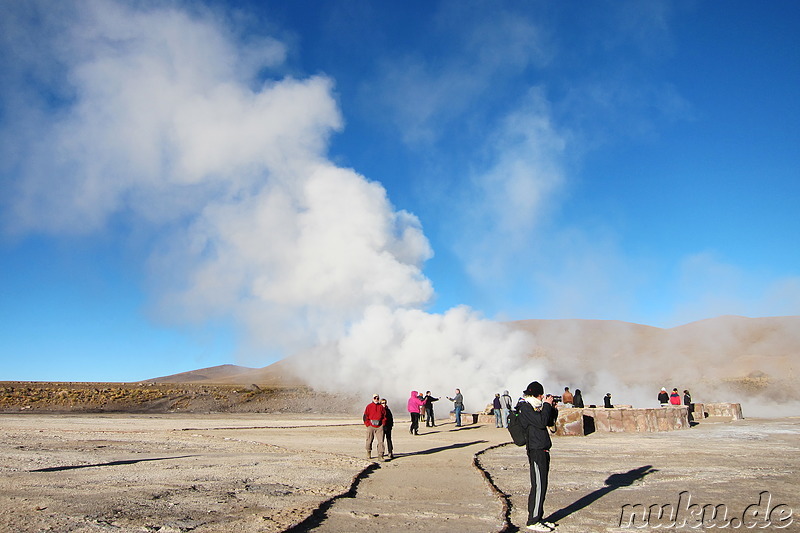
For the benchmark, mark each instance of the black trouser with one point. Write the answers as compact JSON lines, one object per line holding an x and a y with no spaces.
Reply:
{"x":387,"y":435}
{"x":414,"y":422}
{"x":540,"y":467}
{"x":429,"y":417}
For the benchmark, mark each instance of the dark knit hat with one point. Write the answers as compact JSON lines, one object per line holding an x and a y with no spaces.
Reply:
{"x":534,"y":389}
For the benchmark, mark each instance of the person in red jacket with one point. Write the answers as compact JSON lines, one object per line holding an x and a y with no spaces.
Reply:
{"x":674,"y":397}
{"x":374,"y":419}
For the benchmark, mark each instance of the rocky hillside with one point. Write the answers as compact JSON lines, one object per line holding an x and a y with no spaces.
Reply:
{"x":165,"y":398}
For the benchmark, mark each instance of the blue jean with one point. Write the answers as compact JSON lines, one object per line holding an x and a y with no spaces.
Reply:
{"x":498,"y":418}
{"x":505,"y":417}
{"x":459,"y":408}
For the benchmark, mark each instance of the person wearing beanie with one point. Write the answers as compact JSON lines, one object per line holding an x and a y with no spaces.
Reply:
{"x":663,"y":396}
{"x":536,"y":413}
{"x":674,"y":397}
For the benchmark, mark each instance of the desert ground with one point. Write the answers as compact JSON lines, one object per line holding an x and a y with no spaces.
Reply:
{"x":286,"y":472}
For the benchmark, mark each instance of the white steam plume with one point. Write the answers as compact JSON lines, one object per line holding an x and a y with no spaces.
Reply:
{"x":166,"y":126}
{"x":395,"y":351}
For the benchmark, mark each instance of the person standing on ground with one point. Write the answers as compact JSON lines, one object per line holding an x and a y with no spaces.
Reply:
{"x":577,"y":400}
{"x":414,"y":406}
{"x":567,"y":398}
{"x":374,"y":419}
{"x":687,"y":401}
{"x":429,"y":420}
{"x":536,"y":413}
{"x":458,"y":405}
{"x":387,"y":430}
{"x":505,"y":405}
{"x":497,"y":409}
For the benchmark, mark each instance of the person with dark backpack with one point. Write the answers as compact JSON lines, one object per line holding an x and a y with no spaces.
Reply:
{"x":536,"y":413}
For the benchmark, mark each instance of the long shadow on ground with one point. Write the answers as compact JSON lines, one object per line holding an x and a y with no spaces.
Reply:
{"x":111,"y":463}
{"x":613,"y":482}
{"x":441,"y":448}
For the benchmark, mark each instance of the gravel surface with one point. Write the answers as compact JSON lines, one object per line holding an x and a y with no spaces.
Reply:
{"x":246,"y":472}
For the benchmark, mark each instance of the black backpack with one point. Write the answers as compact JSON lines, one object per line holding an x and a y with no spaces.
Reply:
{"x":518,"y":433}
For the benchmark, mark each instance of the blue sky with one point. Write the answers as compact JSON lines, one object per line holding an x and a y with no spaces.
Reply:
{"x":185,"y":184}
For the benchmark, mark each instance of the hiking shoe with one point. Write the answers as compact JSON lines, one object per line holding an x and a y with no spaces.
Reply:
{"x":539,"y":526}
{"x":551,"y":525}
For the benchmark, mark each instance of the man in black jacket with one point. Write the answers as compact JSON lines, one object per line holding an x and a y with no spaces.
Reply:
{"x":537,"y":412}
{"x":430,"y":421}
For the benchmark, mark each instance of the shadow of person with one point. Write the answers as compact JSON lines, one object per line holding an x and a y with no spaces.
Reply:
{"x":111,"y":463}
{"x":440,"y":449}
{"x":613,"y":482}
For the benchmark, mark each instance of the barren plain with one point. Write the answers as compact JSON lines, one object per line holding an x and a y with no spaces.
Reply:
{"x":287,"y":472}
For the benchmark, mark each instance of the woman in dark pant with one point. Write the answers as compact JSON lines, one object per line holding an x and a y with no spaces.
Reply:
{"x":387,"y":429}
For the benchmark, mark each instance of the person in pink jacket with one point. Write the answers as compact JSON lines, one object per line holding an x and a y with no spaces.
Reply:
{"x":415,"y":403}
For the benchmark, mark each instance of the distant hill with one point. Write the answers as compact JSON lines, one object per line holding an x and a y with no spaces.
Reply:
{"x":275,"y":375}
{"x":214,"y":374}
{"x":754,"y":355}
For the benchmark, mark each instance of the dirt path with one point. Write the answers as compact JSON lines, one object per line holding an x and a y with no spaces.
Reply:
{"x":430,"y":486}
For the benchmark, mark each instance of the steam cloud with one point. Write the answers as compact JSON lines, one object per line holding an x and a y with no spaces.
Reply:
{"x":168,"y":126}
{"x":162,"y":120}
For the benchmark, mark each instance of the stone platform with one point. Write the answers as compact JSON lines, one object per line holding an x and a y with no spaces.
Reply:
{"x":585,"y":421}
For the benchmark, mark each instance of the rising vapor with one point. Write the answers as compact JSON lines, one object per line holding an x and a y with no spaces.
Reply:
{"x":167,"y":122}
{"x":168,"y":125}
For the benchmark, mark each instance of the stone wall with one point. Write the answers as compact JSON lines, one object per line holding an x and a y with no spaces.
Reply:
{"x":577,"y":421}
{"x":725,"y":410}
{"x":618,"y":420}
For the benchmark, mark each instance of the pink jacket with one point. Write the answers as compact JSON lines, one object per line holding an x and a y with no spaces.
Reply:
{"x":414,"y":403}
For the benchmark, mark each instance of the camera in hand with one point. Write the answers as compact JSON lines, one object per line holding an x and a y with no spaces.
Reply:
{"x":557,"y":399}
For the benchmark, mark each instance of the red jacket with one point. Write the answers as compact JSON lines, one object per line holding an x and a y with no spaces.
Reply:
{"x":675,"y":398}
{"x":374,"y":411}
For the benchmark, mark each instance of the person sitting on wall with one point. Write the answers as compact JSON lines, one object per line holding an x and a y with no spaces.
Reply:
{"x":567,"y":398}
{"x":674,"y":397}
{"x":577,"y":400}
{"x":663,"y":397}
{"x":607,"y":401}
